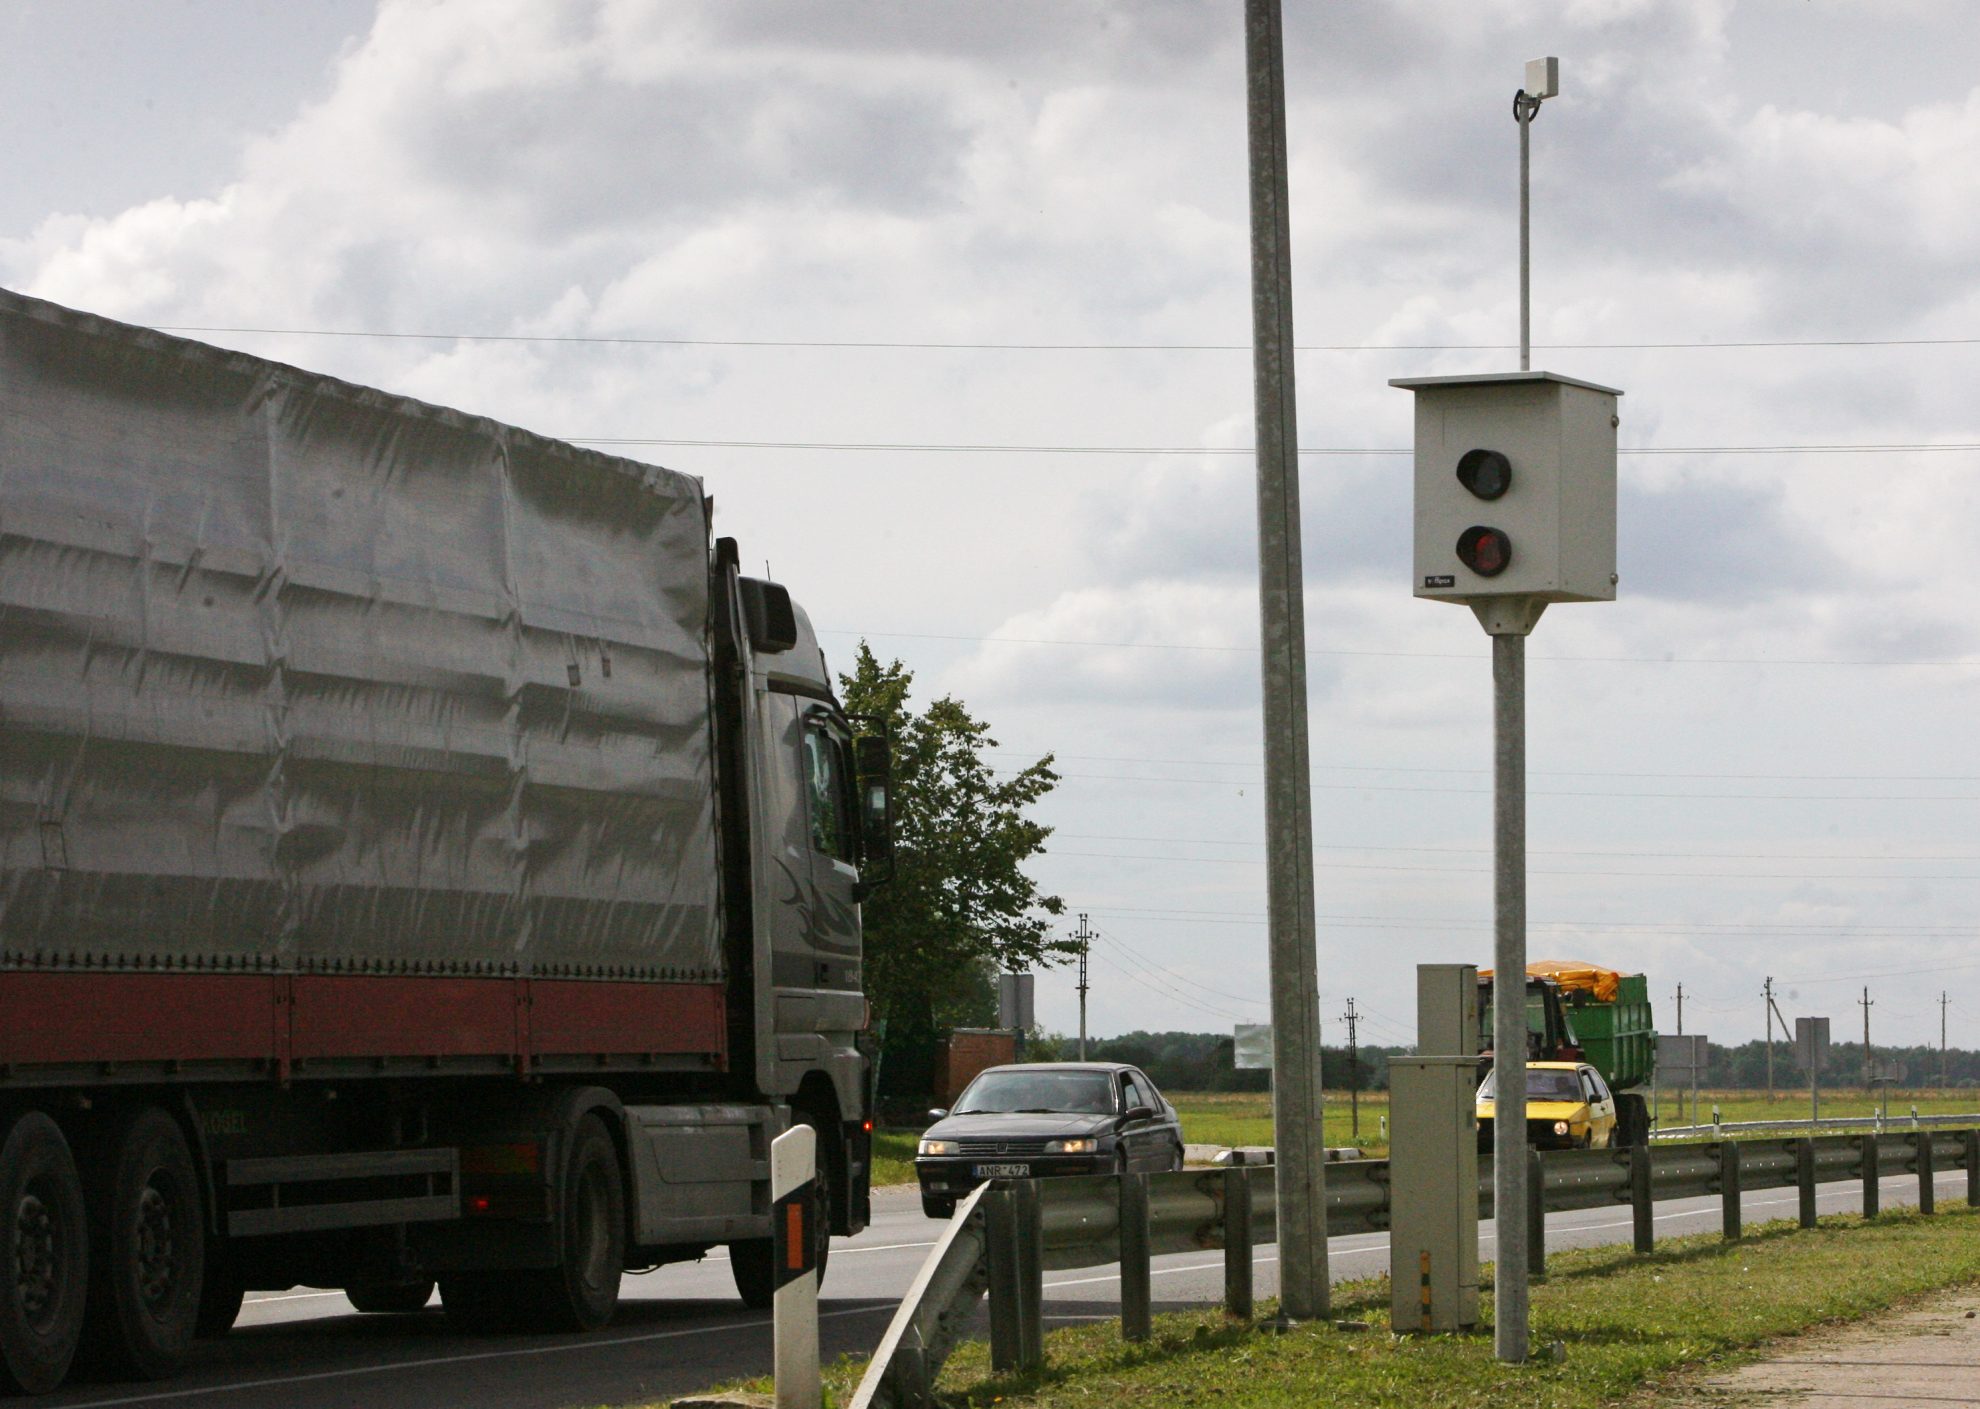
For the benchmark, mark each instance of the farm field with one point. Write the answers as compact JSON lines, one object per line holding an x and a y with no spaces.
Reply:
{"x":1245,"y":1118}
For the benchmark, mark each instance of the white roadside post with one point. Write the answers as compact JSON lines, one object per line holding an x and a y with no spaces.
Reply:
{"x":795,"y":1207}
{"x":1515,"y":509}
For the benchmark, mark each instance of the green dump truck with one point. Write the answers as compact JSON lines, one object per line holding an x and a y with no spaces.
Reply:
{"x":1578,"y":1012}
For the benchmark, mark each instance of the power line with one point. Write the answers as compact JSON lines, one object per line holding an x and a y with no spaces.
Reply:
{"x":907,"y":345}
{"x":870,"y":447}
{"x":1537,"y":871}
{"x":1810,"y":857}
{"x":1137,"y":959}
{"x":1534,"y":792}
{"x":1171,"y":994}
{"x":1537,"y":772}
{"x":1770,"y":929}
{"x":1383,"y":655}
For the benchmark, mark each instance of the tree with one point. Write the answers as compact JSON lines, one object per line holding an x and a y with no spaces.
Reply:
{"x":960,"y":907}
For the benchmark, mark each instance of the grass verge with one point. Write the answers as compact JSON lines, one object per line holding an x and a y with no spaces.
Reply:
{"x":1626,"y":1322}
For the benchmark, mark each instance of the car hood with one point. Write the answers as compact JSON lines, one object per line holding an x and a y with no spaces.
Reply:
{"x":1541,"y":1110}
{"x":1018,"y":1126}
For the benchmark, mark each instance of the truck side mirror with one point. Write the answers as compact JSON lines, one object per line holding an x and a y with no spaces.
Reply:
{"x":873,"y":762}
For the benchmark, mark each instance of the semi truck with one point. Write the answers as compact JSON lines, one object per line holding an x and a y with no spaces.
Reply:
{"x":1578,"y":1012}
{"x":426,"y":859}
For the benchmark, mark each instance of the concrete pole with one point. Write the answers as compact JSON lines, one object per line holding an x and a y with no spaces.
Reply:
{"x":1296,"y":1111}
{"x":1509,"y":1161}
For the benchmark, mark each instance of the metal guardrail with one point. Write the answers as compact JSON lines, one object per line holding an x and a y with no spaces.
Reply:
{"x":1877,"y":1123}
{"x":1007,"y":1234}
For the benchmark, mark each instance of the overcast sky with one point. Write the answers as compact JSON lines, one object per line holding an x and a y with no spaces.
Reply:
{"x":947,"y":303}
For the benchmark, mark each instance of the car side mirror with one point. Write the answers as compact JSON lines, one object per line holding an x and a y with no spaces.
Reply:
{"x":938,"y":1115}
{"x":1134,"y":1113}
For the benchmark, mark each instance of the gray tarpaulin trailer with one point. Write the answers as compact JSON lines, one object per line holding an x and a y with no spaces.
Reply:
{"x":423,"y":856}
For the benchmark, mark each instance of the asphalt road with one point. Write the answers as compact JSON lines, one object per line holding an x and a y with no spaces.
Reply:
{"x":681,"y":1328}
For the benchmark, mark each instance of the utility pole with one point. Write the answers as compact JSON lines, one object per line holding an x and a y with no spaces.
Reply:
{"x":1085,"y":938}
{"x":1774,"y":1013}
{"x":1353,"y":1020}
{"x":1301,"y":1189}
{"x":1943,"y":1000}
{"x":1865,"y":1004}
{"x":1680,"y":998}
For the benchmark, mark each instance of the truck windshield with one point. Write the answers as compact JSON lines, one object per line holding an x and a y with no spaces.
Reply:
{"x":1542,"y":1084}
{"x":1069,"y":1092}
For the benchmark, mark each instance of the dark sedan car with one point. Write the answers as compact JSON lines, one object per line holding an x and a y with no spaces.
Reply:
{"x":1045,"y":1118}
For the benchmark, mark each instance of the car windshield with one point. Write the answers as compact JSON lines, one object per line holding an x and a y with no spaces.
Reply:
{"x":1059,"y":1092}
{"x":1542,"y":1084}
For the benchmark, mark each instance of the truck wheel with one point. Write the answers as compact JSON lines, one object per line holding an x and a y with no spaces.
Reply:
{"x":221,"y":1292}
{"x":1632,"y":1122}
{"x":753,"y":1263}
{"x":147,"y":1248}
{"x":44,"y":1256}
{"x":390,"y":1298}
{"x":582,"y":1291}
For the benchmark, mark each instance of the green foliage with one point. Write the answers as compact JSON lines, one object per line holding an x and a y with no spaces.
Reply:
{"x":960,"y":907}
{"x":1203,"y":1061}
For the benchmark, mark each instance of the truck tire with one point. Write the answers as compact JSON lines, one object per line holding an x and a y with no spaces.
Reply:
{"x":753,"y":1263}
{"x":221,"y":1293}
{"x":582,"y":1291}
{"x":1632,"y":1122}
{"x":44,"y":1256}
{"x":147,"y":1243}
{"x":390,"y":1298}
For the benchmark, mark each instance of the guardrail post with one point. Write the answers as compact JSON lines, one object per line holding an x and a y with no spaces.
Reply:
{"x":1870,"y":1146}
{"x":1729,"y":1209}
{"x":1135,"y":1294}
{"x":1006,"y":1297}
{"x":1927,"y":1191}
{"x":1804,"y":1177}
{"x":1640,"y":1206}
{"x":1536,"y":1217}
{"x":1237,"y":1243}
{"x":1973,"y":1169}
{"x":1031,"y":1275}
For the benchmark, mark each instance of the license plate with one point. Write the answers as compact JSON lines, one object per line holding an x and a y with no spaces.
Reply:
{"x":1002,"y":1171}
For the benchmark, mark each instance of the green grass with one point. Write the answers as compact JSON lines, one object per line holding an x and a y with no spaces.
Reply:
{"x":1626,"y":1323}
{"x":893,"y":1157}
{"x":1227,"y":1118}
{"x":1847,"y":1103}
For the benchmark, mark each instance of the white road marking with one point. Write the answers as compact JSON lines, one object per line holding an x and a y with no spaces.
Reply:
{"x":582,"y":1343}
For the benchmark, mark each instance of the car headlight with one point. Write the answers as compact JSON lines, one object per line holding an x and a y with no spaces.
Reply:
{"x":1560,"y":1127}
{"x":1072,"y":1147}
{"x":936,"y":1147}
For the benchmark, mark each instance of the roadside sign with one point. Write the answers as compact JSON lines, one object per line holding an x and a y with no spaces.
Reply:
{"x":1252,"y":1046}
{"x":1811,"y":1043}
{"x":1014,"y":993}
{"x":1682,"y":1057}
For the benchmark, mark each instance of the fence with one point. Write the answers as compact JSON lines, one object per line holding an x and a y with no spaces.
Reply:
{"x":1872,"y":1122}
{"x":1006,"y":1235}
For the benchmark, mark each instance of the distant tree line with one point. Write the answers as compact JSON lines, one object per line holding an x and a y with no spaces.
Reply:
{"x":1202,"y":1061}
{"x":1745,"y":1066}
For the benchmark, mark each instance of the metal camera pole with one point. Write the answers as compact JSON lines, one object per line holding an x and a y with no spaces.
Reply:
{"x":1509,"y":1161}
{"x":1300,"y":1178}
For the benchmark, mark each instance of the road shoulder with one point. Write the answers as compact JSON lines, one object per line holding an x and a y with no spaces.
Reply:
{"x":1927,"y":1352}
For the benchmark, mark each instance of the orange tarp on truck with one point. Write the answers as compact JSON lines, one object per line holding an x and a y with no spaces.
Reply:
{"x":1573,"y":977}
